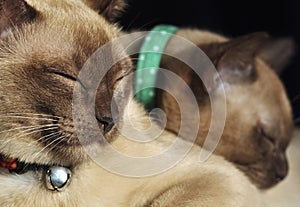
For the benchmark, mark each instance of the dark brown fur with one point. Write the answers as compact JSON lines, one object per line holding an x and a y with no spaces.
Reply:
{"x":259,"y":122}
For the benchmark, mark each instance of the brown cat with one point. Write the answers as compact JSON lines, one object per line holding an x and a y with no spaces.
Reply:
{"x":259,"y":123}
{"x":44,"y":44}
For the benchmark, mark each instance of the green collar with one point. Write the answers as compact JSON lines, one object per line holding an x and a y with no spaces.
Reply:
{"x":148,"y":63}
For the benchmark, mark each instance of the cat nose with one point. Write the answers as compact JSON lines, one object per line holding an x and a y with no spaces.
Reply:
{"x":282,"y":167}
{"x":280,"y":175}
{"x":106,"y":122}
{"x":103,"y":111}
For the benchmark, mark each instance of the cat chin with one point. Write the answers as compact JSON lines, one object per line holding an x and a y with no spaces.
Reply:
{"x":265,"y":182}
{"x":261,"y":177}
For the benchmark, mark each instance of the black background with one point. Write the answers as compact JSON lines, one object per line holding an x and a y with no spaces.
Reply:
{"x":231,"y":18}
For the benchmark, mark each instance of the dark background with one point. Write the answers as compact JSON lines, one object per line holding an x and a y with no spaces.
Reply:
{"x":231,"y":18}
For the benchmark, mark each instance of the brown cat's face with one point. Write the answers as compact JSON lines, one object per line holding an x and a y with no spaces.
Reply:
{"x":44,"y":45}
{"x":258,"y":128}
{"x":258,"y":124}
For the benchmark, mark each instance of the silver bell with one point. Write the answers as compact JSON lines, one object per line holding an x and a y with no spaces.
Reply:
{"x":57,"y":178}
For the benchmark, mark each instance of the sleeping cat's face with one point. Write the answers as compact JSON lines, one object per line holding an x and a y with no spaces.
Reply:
{"x":258,"y":124}
{"x":44,"y":45}
{"x":258,"y":128}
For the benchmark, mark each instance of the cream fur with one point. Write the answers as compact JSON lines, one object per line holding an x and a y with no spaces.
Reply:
{"x":213,"y":183}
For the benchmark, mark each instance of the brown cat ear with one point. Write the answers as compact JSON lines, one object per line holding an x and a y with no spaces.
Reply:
{"x":110,"y":9}
{"x":278,"y":53}
{"x":235,"y":59}
{"x":13,"y":13}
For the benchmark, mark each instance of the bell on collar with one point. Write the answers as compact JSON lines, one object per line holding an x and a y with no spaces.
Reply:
{"x":57,"y":178}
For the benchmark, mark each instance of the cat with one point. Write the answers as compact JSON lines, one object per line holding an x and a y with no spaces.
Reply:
{"x":258,"y":113}
{"x":44,"y":44}
{"x":259,"y":122}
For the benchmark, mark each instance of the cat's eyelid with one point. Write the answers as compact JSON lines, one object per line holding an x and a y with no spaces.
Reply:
{"x":266,"y":135}
{"x":70,"y":77}
{"x":65,"y":75}
{"x":61,"y":70}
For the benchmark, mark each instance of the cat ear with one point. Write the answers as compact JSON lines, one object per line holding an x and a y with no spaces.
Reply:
{"x":235,"y":59}
{"x":278,"y":53}
{"x":109,"y":9}
{"x":13,"y":13}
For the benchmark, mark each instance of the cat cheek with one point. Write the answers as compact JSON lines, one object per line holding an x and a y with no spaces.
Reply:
{"x":279,"y":155}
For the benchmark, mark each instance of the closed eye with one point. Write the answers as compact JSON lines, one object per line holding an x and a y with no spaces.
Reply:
{"x":69,"y":77}
{"x":263,"y":133}
{"x":64,"y":75}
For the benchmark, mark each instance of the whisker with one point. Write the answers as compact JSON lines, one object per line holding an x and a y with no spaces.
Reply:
{"x":38,"y":130}
{"x":47,"y":137}
{"x":32,"y":114}
{"x":49,"y":144}
{"x":69,"y":138}
{"x":30,"y":131}
{"x":60,"y":140}
{"x":21,"y":135}
{"x":14,"y":129}
{"x":28,"y":127}
{"x":25,"y":117}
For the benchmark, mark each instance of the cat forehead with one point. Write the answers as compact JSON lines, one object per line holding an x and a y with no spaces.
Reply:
{"x":48,"y":6}
{"x":72,"y":21}
{"x":60,"y":34}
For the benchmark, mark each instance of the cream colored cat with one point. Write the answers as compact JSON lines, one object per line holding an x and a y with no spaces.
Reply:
{"x":44,"y":44}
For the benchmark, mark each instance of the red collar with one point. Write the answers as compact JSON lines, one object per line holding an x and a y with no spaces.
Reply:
{"x":8,"y":163}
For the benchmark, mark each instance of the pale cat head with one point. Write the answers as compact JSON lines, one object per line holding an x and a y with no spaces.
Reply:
{"x":44,"y":44}
{"x":259,"y":124}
